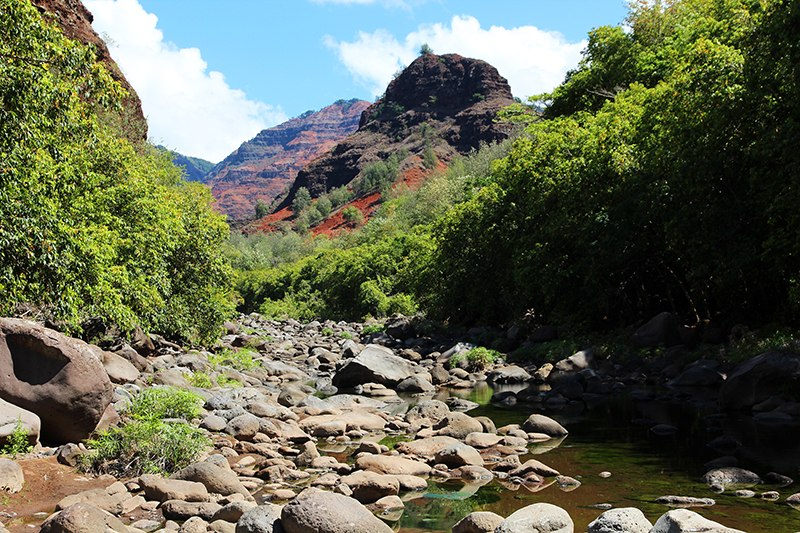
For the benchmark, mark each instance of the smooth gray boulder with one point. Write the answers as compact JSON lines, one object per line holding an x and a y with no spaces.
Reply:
{"x":478,"y":522}
{"x":327,"y":512}
{"x":537,"y":518}
{"x":216,"y":479}
{"x":265,"y":518}
{"x":730,"y":475}
{"x":375,"y":364}
{"x":82,"y":518}
{"x":508,"y":374}
{"x":537,"y":423}
{"x":622,"y":520}
{"x":686,"y":521}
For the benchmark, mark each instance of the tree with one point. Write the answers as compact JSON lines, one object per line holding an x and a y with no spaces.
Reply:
{"x":262,"y":208}
{"x":425,"y":49}
{"x":302,"y":199}
{"x":91,"y":224}
{"x":352,"y":214}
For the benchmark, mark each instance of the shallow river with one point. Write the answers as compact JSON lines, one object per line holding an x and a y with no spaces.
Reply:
{"x":613,"y":435}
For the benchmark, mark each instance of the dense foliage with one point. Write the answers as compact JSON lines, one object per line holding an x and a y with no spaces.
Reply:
{"x":662,"y":175}
{"x":91,"y":225}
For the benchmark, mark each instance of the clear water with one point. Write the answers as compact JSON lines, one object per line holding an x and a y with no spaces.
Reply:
{"x":613,"y":434}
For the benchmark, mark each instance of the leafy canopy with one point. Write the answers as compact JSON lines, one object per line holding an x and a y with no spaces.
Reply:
{"x":91,"y":224}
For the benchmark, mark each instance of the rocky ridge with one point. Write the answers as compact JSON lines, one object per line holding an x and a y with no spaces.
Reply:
{"x":261,"y":168}
{"x":274,"y":441}
{"x":447,"y":103}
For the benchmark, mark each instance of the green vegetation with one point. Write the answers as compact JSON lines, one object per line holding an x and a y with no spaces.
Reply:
{"x":145,"y":442}
{"x":352,"y":214}
{"x":17,"y":443}
{"x":661,"y":175}
{"x":477,"y":359}
{"x":371,"y":330}
{"x":425,"y":49}
{"x":381,"y":175}
{"x":302,"y":200}
{"x":241,"y":359}
{"x":93,"y":225}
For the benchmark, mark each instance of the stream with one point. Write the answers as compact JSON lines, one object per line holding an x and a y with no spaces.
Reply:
{"x":613,"y":434}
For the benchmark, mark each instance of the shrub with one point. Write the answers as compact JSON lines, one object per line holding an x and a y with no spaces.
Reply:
{"x":146,"y":443}
{"x":237,"y":359}
{"x":327,"y":332}
{"x":352,"y":214}
{"x":371,"y":329}
{"x":17,"y":443}
{"x":345,"y":335}
{"x":480,"y":358}
{"x":165,"y":402}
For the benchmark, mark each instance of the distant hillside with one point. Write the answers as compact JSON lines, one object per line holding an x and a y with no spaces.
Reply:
{"x":196,"y":169}
{"x":437,"y":108}
{"x":265,"y":166}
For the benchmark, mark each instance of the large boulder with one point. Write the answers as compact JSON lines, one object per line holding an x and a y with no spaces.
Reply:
{"x":478,"y":522}
{"x":11,"y":417}
{"x":60,"y":379}
{"x":684,"y":521}
{"x":537,"y":518}
{"x":662,"y":329}
{"x":537,"y":423}
{"x":758,"y":379}
{"x":82,"y":518}
{"x":216,"y":479}
{"x":265,"y":518}
{"x":622,"y":520}
{"x":327,"y":512}
{"x":375,"y":364}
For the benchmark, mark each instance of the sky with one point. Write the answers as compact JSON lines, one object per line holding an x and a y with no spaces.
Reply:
{"x":213,"y":73}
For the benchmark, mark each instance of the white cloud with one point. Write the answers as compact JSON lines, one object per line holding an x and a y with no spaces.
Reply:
{"x":533,"y":61}
{"x":188,"y":109}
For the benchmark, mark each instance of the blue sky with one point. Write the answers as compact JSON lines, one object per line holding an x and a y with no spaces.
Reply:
{"x":213,"y":73}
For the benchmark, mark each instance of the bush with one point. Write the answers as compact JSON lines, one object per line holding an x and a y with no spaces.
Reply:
{"x":352,"y":214}
{"x":371,"y":329}
{"x":145,"y":442}
{"x":17,"y":443}
{"x":165,"y":402}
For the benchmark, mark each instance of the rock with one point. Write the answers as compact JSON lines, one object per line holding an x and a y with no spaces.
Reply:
{"x":97,"y":497}
{"x":12,"y":477}
{"x":410,"y":483}
{"x":386,"y":464}
{"x":243,"y":427}
{"x":698,"y":376}
{"x":756,"y":380}
{"x":60,"y":379}
{"x":171,"y":377}
{"x":433,"y":410}
{"x":537,"y":518}
{"x":11,"y":416}
{"x":400,"y":328}
{"x":622,"y":520}
{"x":162,"y":489}
{"x":233,"y":511}
{"x":215,"y":479}
{"x":537,"y":467}
{"x":194,"y":525}
{"x":374,"y":364}
{"x":180,"y":510}
{"x":266,"y":518}
{"x":773,"y":478}
{"x":662,"y":329}
{"x":478,"y":522}
{"x":374,"y":488}
{"x":730,"y":476}
{"x":483,"y":440}
{"x":328,"y":512}
{"x":576,"y":362}
{"x":291,"y":395}
{"x":69,"y":454}
{"x":537,"y":423}
{"x":458,"y":425}
{"x":331,"y":428}
{"x":308,"y":452}
{"x":685,"y":501}
{"x":544,"y":334}
{"x":508,"y":374}
{"x":685,"y":521}
{"x":457,"y":455}
{"x":426,"y":446}
{"x":82,"y":518}
{"x":119,"y":369}
{"x":415,"y":384}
